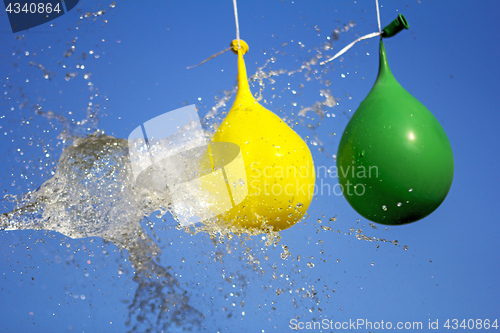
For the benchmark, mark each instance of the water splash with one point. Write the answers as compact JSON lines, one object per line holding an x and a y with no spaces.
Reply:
{"x":93,"y":194}
{"x":90,"y":181}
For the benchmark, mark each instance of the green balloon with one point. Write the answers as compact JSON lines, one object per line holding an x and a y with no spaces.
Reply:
{"x":395,"y":162}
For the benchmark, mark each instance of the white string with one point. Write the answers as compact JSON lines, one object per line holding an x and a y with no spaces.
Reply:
{"x":210,"y":58}
{"x":378,"y":17}
{"x":341,"y":52}
{"x":229,"y":48}
{"x":237,"y":24}
{"x":373,"y":34}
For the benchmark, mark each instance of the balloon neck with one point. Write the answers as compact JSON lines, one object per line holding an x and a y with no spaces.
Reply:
{"x":240,"y":47}
{"x":243,"y":86}
{"x":384,"y":70}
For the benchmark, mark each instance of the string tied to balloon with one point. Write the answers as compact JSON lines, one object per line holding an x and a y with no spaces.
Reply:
{"x":390,"y":30}
{"x":235,"y":44}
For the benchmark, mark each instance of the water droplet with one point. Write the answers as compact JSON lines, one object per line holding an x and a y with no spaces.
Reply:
{"x":410,"y":190}
{"x":399,"y":204}
{"x":69,"y":52}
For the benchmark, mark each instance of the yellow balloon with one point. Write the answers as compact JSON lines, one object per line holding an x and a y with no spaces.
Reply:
{"x":278,"y":163}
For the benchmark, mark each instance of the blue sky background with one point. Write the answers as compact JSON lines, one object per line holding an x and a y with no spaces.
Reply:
{"x":140,"y":51}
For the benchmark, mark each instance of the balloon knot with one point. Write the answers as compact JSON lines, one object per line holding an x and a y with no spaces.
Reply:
{"x":243,"y":46}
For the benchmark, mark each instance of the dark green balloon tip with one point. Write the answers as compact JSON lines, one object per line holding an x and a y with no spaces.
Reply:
{"x":395,"y":27}
{"x":394,"y":162}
